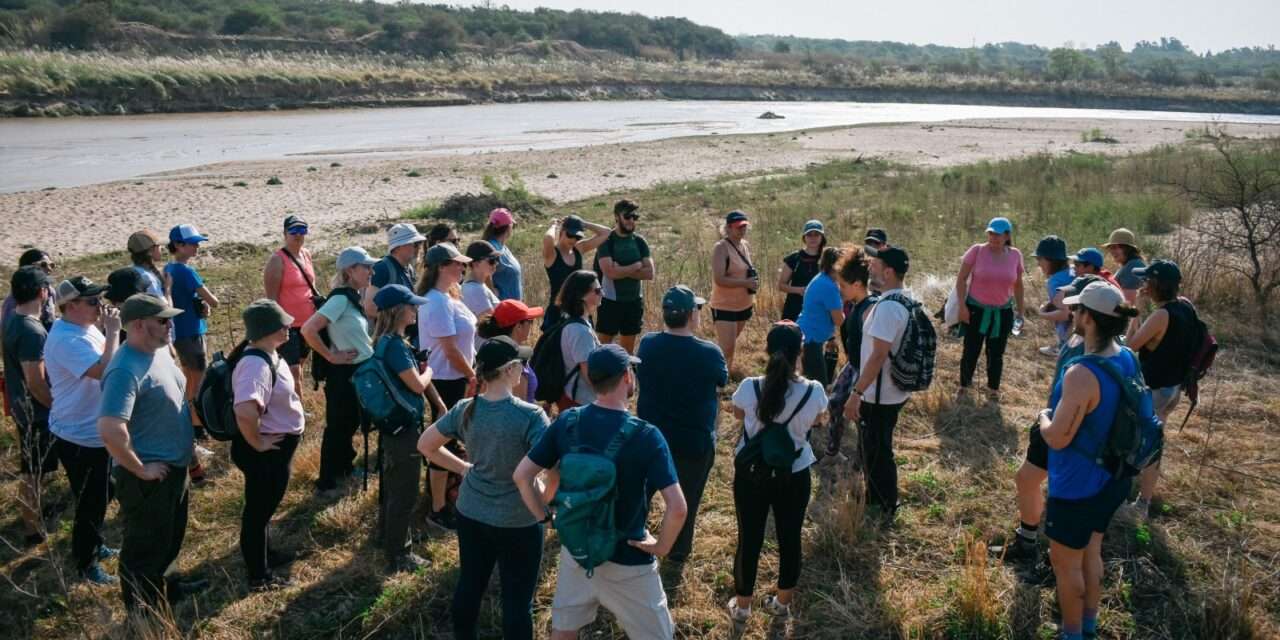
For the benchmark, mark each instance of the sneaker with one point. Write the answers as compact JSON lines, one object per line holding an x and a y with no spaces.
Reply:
{"x":409,"y":562}
{"x":1138,"y":510}
{"x":993,"y":396}
{"x":95,"y":574}
{"x":775,"y":608}
{"x":1017,"y":550}
{"x":107,"y":553}
{"x":204,"y":452}
{"x":269,"y":583}
{"x":737,"y":614}
{"x":444,"y":519}
{"x":1051,"y":352}
{"x":280,"y":558}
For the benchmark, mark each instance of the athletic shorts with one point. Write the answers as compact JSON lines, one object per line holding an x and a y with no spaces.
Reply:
{"x":296,"y":349}
{"x":1071,"y":523}
{"x":720,"y":315}
{"x":36,"y":449}
{"x":633,"y":594}
{"x":1038,"y":449}
{"x":615,"y":318}
{"x":1163,"y":401}
{"x":191,"y":353}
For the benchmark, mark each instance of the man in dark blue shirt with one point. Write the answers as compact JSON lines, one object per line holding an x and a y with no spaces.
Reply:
{"x":679,"y":377}
{"x":628,"y":583}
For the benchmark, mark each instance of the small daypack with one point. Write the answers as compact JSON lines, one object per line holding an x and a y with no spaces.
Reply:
{"x":771,"y":452}
{"x":585,"y":502}
{"x":215,"y":400}
{"x":1206,"y":349}
{"x":1137,"y":434}
{"x":547,"y":363}
{"x":381,"y":398}
{"x":911,"y":367}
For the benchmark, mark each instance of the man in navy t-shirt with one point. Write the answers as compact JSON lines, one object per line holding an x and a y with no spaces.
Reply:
{"x":628,"y":584}
{"x":683,"y":406}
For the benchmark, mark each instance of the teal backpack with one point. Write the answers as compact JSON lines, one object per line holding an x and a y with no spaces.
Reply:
{"x":1136,"y":436}
{"x":584,"y":503}
{"x":379,"y":396}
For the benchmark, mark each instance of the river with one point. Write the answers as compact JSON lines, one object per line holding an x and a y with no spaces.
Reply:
{"x":66,"y":152}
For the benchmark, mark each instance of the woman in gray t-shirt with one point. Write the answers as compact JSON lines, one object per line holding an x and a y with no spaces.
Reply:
{"x":494,"y":526}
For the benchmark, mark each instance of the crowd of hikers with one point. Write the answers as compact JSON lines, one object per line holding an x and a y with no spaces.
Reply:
{"x":429,"y":349}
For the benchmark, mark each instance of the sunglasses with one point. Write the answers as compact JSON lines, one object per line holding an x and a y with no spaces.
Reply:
{"x":492,"y":259}
{"x":298,"y":231}
{"x":91,"y":302}
{"x":631,"y":216}
{"x":47,"y":265}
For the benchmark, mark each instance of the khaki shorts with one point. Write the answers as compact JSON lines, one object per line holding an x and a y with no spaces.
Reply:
{"x":633,"y":594}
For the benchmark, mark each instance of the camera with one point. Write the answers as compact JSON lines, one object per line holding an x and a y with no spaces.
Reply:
{"x":752,"y":274}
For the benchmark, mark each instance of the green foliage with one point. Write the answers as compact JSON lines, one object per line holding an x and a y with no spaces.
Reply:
{"x":1097,"y":135}
{"x":250,"y":19}
{"x":81,"y":27}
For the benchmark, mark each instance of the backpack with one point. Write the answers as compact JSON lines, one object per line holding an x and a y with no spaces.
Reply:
{"x":585,"y":501}
{"x":911,"y":368}
{"x":772,"y":452}
{"x":1205,"y":350}
{"x":319,"y":366}
{"x":547,"y":363}
{"x":215,"y":400}
{"x":379,"y":396}
{"x":1137,"y":434}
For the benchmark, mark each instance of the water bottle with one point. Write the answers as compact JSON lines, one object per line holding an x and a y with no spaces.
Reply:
{"x":1017,"y":326}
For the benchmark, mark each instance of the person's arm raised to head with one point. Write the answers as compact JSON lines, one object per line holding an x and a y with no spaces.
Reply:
{"x":600,"y":234}
{"x":549,"y":243}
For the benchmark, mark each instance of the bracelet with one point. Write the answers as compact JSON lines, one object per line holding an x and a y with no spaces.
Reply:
{"x":855,"y":392}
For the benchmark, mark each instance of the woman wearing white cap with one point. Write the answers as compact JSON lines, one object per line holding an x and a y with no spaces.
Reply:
{"x":1083,"y":494}
{"x":342,"y":318}
{"x":990,"y":284}
{"x":507,"y":278}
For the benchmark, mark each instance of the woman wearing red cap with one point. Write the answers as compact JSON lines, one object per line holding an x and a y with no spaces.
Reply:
{"x":734,"y":283}
{"x":514,"y":319}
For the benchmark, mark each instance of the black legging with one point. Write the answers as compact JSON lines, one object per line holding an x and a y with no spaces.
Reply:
{"x":451,"y":392}
{"x":753,"y":500}
{"x":342,"y":417}
{"x":973,"y":342}
{"x":266,"y":478}
{"x":517,"y":552}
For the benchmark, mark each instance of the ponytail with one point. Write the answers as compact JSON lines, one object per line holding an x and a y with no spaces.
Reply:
{"x":484,"y":376}
{"x":778,"y":374}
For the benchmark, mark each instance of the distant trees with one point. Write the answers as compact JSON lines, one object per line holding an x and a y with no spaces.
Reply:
{"x":250,"y":19}
{"x":1069,"y":64}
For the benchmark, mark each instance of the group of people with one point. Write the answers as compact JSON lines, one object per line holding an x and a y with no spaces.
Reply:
{"x":102,"y":378}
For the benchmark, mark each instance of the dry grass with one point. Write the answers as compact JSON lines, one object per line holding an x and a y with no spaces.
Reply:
{"x":1203,"y":568}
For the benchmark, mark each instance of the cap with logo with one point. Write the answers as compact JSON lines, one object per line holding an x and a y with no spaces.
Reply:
{"x":814,"y":226}
{"x":501,"y":217}
{"x":264,"y":317}
{"x":608,"y":361}
{"x":876,"y":234}
{"x":352,"y":256}
{"x":574,"y":227}
{"x":444,"y":252}
{"x":123,"y":283}
{"x":681,"y":298}
{"x":143,"y":240}
{"x":1000,"y":225}
{"x":77,"y":287}
{"x":145,"y":305}
{"x":511,"y":312}
{"x":1051,"y":248}
{"x":1160,"y":270}
{"x":401,"y":234}
{"x":186,"y":234}
{"x":1098,"y":296}
{"x":736,"y":218}
{"x":396,"y":294}
{"x":894,"y":257}
{"x":1089,"y":255}
{"x":500,"y":351}
{"x":1121,"y":237}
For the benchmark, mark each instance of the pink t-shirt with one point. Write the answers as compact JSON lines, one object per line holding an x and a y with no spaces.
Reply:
{"x":251,"y":380}
{"x":993,"y":275}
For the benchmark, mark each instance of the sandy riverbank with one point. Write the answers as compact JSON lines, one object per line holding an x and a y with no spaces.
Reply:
{"x":97,"y":218}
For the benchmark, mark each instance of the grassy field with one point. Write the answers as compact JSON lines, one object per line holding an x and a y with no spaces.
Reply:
{"x":1204,"y":567}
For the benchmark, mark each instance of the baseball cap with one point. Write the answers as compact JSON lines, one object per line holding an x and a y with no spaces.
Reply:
{"x":1089,"y":255}
{"x":444,"y":252}
{"x":681,"y":298}
{"x":1162,"y":270}
{"x":1000,"y":225}
{"x":294,"y":222}
{"x":123,"y":283}
{"x":479,"y":250}
{"x":573,"y":227}
{"x":1098,"y":296}
{"x":784,"y":336}
{"x":394,"y":294}
{"x":77,"y":287}
{"x":499,"y":351}
{"x":140,"y":241}
{"x":264,"y":317}
{"x":30,"y":278}
{"x":624,"y":206}
{"x":501,"y":217}
{"x":352,"y":256}
{"x":510,"y":312}
{"x":1121,"y":236}
{"x":1078,"y":284}
{"x":186,"y":234}
{"x":895,"y":257}
{"x":814,"y":225}
{"x":608,"y":361}
{"x":403,"y":233}
{"x":1051,"y":248}
{"x":736,"y":218}
{"x":145,"y":305}
{"x":876,"y":234}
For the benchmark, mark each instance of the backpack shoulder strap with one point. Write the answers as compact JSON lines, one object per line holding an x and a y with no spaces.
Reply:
{"x":808,"y":392}
{"x":571,"y":427}
{"x":629,"y":427}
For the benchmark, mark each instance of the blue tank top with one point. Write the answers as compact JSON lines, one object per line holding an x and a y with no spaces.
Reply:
{"x":1072,"y":474}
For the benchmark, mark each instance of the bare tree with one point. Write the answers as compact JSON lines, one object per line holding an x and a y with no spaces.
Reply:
{"x":1238,"y":185}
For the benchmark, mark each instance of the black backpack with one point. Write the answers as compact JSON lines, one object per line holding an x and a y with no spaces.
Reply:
{"x":215,"y":402}
{"x":772,"y":452}
{"x":548,"y":362}
{"x":319,"y":366}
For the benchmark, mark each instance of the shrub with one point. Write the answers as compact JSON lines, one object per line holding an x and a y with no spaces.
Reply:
{"x":81,"y":27}
{"x":250,"y":20}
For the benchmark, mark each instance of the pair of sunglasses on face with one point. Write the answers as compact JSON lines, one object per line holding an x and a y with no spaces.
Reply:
{"x":298,"y":231}
{"x":631,"y":216}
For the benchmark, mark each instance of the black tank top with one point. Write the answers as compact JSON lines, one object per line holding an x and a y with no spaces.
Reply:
{"x":1168,"y":363}
{"x":559,"y":270}
{"x":804,"y":268}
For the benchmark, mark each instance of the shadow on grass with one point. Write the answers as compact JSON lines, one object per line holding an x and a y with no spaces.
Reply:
{"x":974,"y":433}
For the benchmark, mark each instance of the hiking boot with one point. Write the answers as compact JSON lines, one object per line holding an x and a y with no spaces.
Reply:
{"x":737,"y":614}
{"x":775,"y":608}
{"x":95,"y":574}
{"x":993,"y":396}
{"x":409,"y":562}
{"x":107,"y":553}
{"x":1016,"y":550}
{"x":280,"y":558}
{"x":269,"y":583}
{"x":444,"y":519}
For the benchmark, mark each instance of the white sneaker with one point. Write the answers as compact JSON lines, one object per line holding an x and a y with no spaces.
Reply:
{"x":775,"y":608}
{"x":1052,"y":352}
{"x":737,"y":614}
{"x":203,"y":452}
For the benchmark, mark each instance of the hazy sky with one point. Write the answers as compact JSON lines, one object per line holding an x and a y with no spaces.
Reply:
{"x":1200,"y":24}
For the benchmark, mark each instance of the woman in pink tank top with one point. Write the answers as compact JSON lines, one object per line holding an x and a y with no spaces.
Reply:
{"x":290,"y":280}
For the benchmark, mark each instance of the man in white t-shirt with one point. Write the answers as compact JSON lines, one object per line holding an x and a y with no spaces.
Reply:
{"x":875,"y":399}
{"x":76,"y":355}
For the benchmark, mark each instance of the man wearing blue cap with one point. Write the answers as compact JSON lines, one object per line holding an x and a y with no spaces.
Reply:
{"x":628,"y":583}
{"x":194,"y":299}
